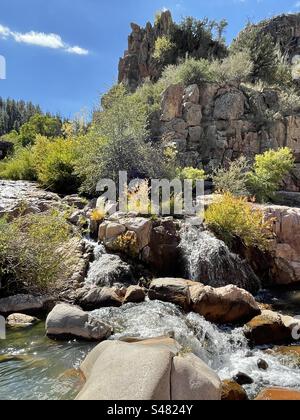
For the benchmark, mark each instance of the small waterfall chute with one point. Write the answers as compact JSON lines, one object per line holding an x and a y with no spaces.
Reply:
{"x":209,"y":261}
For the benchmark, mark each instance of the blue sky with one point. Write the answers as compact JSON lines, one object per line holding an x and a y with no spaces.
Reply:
{"x":62,"y":54}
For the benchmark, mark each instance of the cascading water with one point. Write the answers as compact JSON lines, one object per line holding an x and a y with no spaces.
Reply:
{"x":107,"y":269}
{"x":209,"y":261}
{"x":224,"y":349}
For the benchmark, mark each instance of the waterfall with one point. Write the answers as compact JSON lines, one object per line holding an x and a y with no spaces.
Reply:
{"x":108,"y":270}
{"x":209,"y":261}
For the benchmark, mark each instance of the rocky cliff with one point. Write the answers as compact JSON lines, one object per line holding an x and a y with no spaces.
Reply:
{"x":285,"y":30}
{"x":138,"y":63}
{"x":213,"y":124}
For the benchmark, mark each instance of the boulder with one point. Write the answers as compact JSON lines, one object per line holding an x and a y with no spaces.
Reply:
{"x":71,"y":321}
{"x":90,"y":298}
{"x":121,"y":371}
{"x":172,"y":102}
{"x":192,"y":379}
{"x":142,"y":227}
{"x":21,"y":320}
{"x":232,"y":391}
{"x":229,"y":106}
{"x":135,"y":294}
{"x":223,"y":305}
{"x":262,"y":364}
{"x":113,"y":230}
{"x":268,"y":328}
{"x":171,"y":290}
{"x":132,"y":227}
{"x":242,"y":379}
{"x":278,"y":394}
{"x":150,"y":370}
{"x":28,"y":304}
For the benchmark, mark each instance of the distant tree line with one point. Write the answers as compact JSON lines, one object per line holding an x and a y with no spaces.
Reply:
{"x":14,"y":114}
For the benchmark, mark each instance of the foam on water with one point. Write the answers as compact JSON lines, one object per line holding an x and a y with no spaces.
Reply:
{"x":224,"y":349}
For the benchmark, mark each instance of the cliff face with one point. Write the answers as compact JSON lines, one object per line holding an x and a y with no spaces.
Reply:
{"x":214,"y":124}
{"x":138,"y":63}
{"x":285,"y":30}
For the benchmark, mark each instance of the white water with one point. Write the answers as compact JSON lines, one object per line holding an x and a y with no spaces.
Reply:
{"x":209,"y":260}
{"x":224,"y":350}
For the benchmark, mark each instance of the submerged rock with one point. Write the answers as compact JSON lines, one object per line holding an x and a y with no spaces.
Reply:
{"x":21,"y":320}
{"x":169,"y":375}
{"x":262,"y":364}
{"x":242,"y":379}
{"x":71,"y":321}
{"x":232,"y":391}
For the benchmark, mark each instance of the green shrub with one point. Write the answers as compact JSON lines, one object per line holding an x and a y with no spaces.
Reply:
{"x":233,"y":217}
{"x":289,"y":101}
{"x":191,"y":71}
{"x":193,"y":174}
{"x":54,"y":162}
{"x":262,"y":50}
{"x":234,"y":68}
{"x":268,"y":173}
{"x":43,"y":125}
{"x":35,"y":252}
{"x":19,"y":166}
{"x":119,"y":141}
{"x":233,"y":179}
{"x":164,"y":49}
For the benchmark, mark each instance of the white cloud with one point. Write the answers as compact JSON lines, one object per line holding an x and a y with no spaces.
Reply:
{"x":42,"y":39}
{"x":4,"y":32}
{"x":39,"y":38}
{"x":77,"y":50}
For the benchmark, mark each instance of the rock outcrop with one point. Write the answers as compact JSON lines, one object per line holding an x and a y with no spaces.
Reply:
{"x":153,"y":242}
{"x":27,"y":304}
{"x":138,"y":63}
{"x":285,"y":31}
{"x":147,"y":370}
{"x":71,"y":321}
{"x":285,"y":267}
{"x":215,"y":124}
